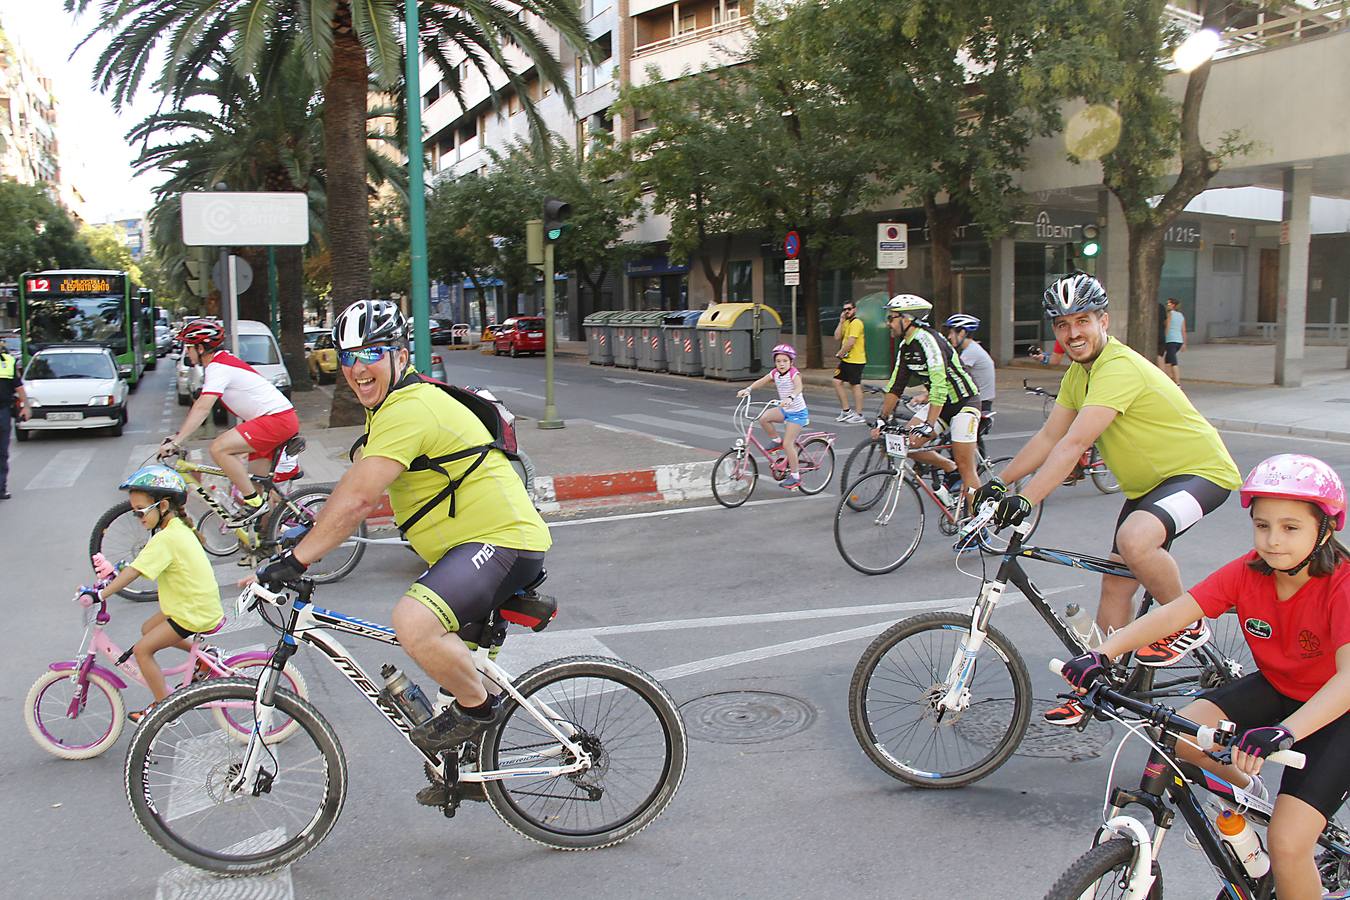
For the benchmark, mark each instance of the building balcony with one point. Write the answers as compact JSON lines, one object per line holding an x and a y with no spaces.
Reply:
{"x":713,"y":46}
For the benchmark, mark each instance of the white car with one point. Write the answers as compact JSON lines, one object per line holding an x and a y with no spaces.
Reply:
{"x":312,"y":335}
{"x":257,"y":347}
{"x":72,"y":388}
{"x":163,"y":340}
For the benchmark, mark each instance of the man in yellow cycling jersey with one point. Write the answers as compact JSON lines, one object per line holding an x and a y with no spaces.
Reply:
{"x":1171,"y":463}
{"x":471,"y":520}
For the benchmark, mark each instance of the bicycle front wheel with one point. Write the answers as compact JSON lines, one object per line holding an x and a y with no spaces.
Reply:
{"x":1102,"y":479}
{"x":815,"y":460}
{"x":178,"y":773}
{"x":733,"y":478}
{"x":869,"y":456}
{"x":94,"y":725}
{"x":302,"y":508}
{"x":628,"y":724}
{"x":119,"y":536}
{"x":879,"y":535}
{"x":893,"y":703}
{"x":1102,"y":873}
{"x":236,"y":719}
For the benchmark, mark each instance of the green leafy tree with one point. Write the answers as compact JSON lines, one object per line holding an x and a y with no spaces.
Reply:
{"x":689,"y":163}
{"x":458,"y":246}
{"x":343,"y":43}
{"x":108,"y":252}
{"x":1160,"y":162}
{"x":390,"y":259}
{"x":36,"y":233}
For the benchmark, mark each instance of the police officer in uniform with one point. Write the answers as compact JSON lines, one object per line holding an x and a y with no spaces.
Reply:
{"x":13,"y":402}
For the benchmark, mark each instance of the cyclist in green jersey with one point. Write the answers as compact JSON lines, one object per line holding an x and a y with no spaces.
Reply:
{"x":470,"y":519}
{"x":1171,"y":463}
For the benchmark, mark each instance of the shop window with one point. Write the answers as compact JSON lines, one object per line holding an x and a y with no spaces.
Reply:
{"x":740,"y":282}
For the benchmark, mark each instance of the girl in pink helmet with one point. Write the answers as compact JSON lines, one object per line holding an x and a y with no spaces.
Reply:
{"x":791,"y":409}
{"x":1291,"y":594}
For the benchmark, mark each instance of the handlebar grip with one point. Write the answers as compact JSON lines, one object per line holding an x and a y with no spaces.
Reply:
{"x":1057,"y":668}
{"x":1291,"y":758}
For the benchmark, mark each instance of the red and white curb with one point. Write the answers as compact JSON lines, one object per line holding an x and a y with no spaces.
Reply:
{"x":677,"y":481}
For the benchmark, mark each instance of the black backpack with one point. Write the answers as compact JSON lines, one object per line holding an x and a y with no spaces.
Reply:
{"x":496,"y":418}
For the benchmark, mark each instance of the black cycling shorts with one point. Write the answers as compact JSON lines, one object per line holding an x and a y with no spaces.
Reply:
{"x":1179,"y":502}
{"x":471,"y":581}
{"x":179,"y":629}
{"x":1251,"y":702}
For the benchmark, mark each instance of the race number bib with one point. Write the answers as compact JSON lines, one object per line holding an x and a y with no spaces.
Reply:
{"x":895,"y":444}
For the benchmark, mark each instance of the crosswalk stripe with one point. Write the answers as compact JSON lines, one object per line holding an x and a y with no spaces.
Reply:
{"x":721,"y":417}
{"x":62,"y":470}
{"x":676,"y":426}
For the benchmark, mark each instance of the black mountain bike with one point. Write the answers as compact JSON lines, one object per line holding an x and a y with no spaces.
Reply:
{"x":1123,"y":861}
{"x":941,"y":700}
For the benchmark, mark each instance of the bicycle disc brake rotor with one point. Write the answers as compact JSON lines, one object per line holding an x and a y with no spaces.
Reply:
{"x":935,"y":712}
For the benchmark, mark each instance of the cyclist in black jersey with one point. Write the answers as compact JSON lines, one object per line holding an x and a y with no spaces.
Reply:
{"x":926,"y":357}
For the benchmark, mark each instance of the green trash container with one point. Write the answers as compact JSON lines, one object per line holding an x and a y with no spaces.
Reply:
{"x":624,"y":340}
{"x":876,"y":336}
{"x":599,"y":341}
{"x":650,"y":349}
{"x":727,"y":332}
{"x":684,"y":351}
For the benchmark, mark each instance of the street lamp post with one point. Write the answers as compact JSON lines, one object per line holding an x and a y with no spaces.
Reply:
{"x":417,"y":200}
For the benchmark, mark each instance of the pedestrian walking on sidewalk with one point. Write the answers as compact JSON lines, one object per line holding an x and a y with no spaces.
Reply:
{"x":791,"y":410}
{"x":13,"y":406}
{"x":852,"y":356}
{"x":1175,"y":339}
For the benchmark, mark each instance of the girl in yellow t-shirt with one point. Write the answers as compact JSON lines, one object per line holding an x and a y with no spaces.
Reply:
{"x":189,"y":600}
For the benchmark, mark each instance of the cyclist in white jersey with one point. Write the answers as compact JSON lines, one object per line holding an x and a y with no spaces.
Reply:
{"x":791,"y":410}
{"x":268,"y":419}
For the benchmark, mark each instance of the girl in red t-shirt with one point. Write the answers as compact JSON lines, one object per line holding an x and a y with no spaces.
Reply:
{"x":1292,"y":598}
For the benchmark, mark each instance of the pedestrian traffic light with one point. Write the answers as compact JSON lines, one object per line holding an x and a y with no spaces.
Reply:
{"x":1091,"y":245}
{"x":556,"y":213}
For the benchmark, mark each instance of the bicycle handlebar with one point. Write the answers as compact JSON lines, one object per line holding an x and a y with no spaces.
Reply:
{"x":1166,"y":718}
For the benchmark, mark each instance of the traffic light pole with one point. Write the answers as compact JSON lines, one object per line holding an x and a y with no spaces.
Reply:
{"x":551,"y":418}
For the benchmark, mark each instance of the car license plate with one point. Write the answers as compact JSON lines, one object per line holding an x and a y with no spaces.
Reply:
{"x":895,"y":444}
{"x":65,"y":416}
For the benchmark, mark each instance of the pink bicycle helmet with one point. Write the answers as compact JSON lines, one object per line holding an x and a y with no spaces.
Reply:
{"x":786,"y":349}
{"x":1296,"y":476}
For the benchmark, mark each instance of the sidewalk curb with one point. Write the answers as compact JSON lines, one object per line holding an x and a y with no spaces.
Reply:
{"x":1249,"y":427}
{"x":668,"y":483}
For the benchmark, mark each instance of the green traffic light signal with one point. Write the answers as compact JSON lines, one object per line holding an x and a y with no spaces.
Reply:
{"x":1091,"y":241}
{"x":555,"y":232}
{"x":1091,"y":249}
{"x":555,"y":218}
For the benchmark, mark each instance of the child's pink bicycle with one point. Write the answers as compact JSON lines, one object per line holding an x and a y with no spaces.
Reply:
{"x":75,"y":709}
{"x":736,"y":472}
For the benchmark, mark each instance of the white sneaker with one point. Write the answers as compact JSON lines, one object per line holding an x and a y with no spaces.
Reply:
{"x":854,"y":419}
{"x":843,"y":415}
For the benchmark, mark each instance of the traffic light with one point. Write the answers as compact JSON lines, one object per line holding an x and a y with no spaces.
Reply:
{"x":556,"y":213}
{"x":1091,"y":245}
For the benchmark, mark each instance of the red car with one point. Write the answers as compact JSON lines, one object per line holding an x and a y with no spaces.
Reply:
{"x":519,"y":334}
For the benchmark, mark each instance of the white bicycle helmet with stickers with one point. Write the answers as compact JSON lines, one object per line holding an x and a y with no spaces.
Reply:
{"x":911,"y":305}
{"x":367,"y":322}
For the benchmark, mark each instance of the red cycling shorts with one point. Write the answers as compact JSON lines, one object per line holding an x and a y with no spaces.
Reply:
{"x":266,"y":433}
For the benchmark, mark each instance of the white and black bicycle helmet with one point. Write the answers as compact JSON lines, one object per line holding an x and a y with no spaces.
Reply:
{"x":1075,"y":293}
{"x":968,"y":324}
{"x":368,"y":322}
{"x":911,"y":305}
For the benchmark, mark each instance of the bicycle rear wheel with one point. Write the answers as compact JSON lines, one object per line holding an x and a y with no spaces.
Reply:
{"x":302,"y":508}
{"x":882,"y":534}
{"x":1226,"y":657}
{"x":218,"y":539}
{"x":1101,"y":873}
{"x":119,"y":536}
{"x":180,"y":764}
{"x":815,"y":460}
{"x":1102,"y":478}
{"x":733,"y":478}
{"x":869,"y":456}
{"x":619,"y":715}
{"x":893,"y":703}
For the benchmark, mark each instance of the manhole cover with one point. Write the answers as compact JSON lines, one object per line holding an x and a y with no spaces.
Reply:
{"x":986,"y":723}
{"x":746,"y":717}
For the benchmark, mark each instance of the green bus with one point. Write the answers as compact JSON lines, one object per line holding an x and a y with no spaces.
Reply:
{"x":83,"y":306}
{"x":146,"y":297}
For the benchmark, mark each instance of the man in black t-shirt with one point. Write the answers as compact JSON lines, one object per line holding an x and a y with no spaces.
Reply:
{"x":13,"y":402}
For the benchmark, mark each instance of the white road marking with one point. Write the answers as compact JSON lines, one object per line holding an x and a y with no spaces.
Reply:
{"x":689,"y":427}
{"x":798,"y":498}
{"x":706,"y":414}
{"x":621,"y":430}
{"x":189,"y":883}
{"x":667,"y":402}
{"x":62,"y":470}
{"x":518,"y":657}
{"x":646,"y":384}
{"x":510,"y":390}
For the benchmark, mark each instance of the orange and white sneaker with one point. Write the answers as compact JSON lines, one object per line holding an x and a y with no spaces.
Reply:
{"x":1170,"y":649}
{"x":1070,"y":712}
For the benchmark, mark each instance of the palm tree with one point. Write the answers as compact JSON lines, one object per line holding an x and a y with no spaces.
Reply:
{"x":341,"y":42}
{"x":267,"y":135}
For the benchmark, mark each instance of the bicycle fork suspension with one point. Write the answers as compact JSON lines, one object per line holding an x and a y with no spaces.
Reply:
{"x":251,"y":774}
{"x":962,"y":666}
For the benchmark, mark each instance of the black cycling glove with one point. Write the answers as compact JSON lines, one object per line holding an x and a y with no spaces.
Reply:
{"x":281,"y":570}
